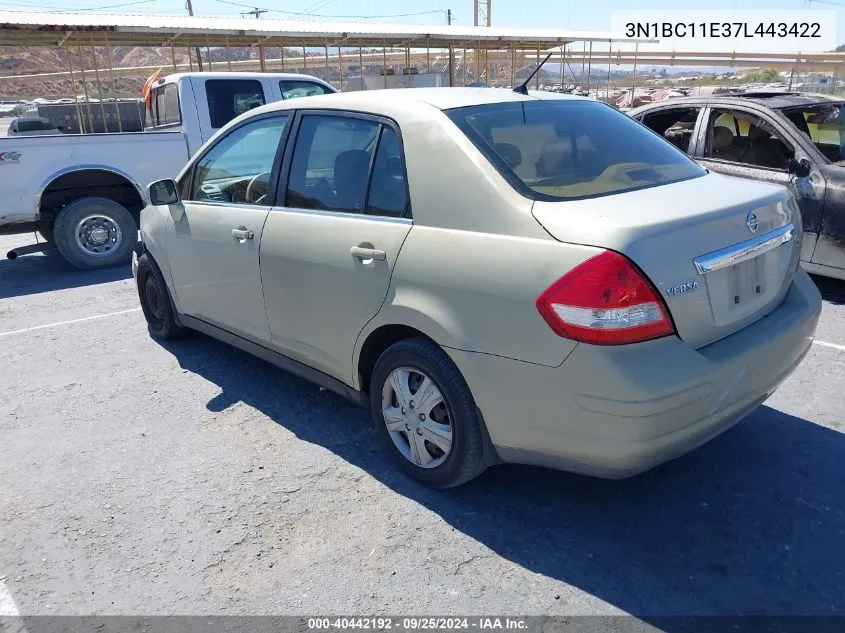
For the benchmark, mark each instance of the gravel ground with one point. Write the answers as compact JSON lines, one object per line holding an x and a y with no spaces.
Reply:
{"x":190,"y":478}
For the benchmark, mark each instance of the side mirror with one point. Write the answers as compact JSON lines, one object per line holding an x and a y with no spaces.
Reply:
{"x":800,"y":168}
{"x":163,"y":192}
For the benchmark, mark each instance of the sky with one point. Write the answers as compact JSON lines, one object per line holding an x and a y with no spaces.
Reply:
{"x":564,"y":14}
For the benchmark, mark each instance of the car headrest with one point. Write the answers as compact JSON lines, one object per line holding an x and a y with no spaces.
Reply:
{"x":509,"y":153}
{"x":352,"y":164}
{"x":757,"y":133}
{"x":722,"y":137}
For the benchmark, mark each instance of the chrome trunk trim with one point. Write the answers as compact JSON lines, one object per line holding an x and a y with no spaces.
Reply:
{"x":738,"y":253}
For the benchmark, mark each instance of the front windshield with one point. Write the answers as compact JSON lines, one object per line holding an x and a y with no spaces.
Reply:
{"x":824,"y":124}
{"x":569,"y":149}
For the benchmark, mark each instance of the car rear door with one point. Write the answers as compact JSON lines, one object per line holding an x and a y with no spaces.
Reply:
{"x":214,"y":244}
{"x":328,"y":250}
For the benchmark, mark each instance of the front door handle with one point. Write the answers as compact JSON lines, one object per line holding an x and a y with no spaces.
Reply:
{"x":367,"y":253}
{"x":242,"y":234}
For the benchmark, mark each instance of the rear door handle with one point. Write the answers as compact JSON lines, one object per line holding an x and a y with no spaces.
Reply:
{"x":242,"y":234}
{"x":367,"y":253}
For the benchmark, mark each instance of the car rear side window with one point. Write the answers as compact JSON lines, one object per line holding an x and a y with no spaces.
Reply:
{"x":228,"y":98}
{"x":571,"y":149}
{"x":293,"y":88}
{"x":331,"y":163}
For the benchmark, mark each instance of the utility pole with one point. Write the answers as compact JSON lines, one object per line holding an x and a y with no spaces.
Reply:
{"x":197,"y":48}
{"x":451,"y":50}
{"x":256,"y":12}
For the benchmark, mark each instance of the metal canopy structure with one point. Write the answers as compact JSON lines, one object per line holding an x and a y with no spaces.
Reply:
{"x":817,"y":62}
{"x":58,"y":29}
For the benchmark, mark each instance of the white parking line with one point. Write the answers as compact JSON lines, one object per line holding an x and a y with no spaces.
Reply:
{"x":841,"y":348}
{"x":49,"y":325}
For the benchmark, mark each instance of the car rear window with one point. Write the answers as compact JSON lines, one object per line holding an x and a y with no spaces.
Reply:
{"x":34,"y":125}
{"x":571,"y":149}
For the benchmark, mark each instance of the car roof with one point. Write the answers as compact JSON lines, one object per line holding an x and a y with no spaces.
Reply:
{"x":774,"y":100}
{"x":440,"y":98}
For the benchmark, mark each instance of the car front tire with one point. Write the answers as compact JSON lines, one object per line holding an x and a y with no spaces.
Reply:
{"x":155,"y":301}
{"x":426,"y":415}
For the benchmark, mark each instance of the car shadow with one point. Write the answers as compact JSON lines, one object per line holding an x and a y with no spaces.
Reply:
{"x":832,"y":290}
{"x":48,"y":271}
{"x":751,"y":523}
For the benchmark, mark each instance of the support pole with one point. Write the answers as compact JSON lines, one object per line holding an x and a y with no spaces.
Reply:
{"x":228,"y":55}
{"x":327,"y":61}
{"x":73,"y":84}
{"x":304,"y":62}
{"x":562,"y":63}
{"x":173,"y":55}
{"x":340,"y":67}
{"x":451,"y":66}
{"x":282,"y":53}
{"x":196,"y":48}
{"x":634,"y":74}
{"x":477,"y":53}
{"x":791,"y":74}
{"x":513,"y":64}
{"x":589,"y":69}
{"x":384,"y":65}
{"x":609,"y":51}
{"x":361,"y":66}
{"x":427,"y":58}
{"x":85,"y":88}
{"x":190,"y":59}
{"x":111,"y":80}
{"x":537,"y":81}
{"x":408,"y":59}
{"x":208,"y":51}
{"x":261,"y":60}
{"x":99,"y":86}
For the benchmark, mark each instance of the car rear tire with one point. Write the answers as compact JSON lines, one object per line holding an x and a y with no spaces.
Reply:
{"x":95,"y":232}
{"x":426,"y":415}
{"x":155,"y":301}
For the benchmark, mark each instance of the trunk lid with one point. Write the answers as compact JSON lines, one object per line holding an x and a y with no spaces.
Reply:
{"x":697,"y":243}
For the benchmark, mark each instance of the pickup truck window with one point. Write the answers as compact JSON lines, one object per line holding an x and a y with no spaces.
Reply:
{"x":166,"y":107}
{"x":292,"y":89}
{"x":237,"y":169}
{"x":228,"y":98}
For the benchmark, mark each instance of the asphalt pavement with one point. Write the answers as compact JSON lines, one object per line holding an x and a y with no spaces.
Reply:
{"x":190,"y":478}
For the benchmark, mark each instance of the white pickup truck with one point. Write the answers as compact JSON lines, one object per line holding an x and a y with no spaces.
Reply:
{"x":83,"y":192}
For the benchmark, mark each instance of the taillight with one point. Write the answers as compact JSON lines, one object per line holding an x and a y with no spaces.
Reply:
{"x":605,"y":300}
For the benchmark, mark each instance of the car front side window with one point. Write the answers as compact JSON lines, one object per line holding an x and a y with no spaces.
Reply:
{"x":291,"y":89}
{"x":238,"y":169}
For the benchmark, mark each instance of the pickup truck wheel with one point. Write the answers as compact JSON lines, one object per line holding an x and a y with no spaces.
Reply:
{"x":95,"y":233}
{"x":426,"y":415}
{"x":155,"y":301}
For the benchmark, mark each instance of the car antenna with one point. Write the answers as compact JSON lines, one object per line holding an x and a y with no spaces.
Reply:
{"x":523,"y":87}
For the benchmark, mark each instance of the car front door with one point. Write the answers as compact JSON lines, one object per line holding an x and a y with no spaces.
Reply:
{"x":214,"y":243}
{"x":740,"y":142}
{"x":328,"y":252}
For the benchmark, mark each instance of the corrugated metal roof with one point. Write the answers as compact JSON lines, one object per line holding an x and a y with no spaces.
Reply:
{"x":29,"y":28}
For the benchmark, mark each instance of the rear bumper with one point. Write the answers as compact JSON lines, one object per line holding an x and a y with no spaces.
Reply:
{"x":616,"y":411}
